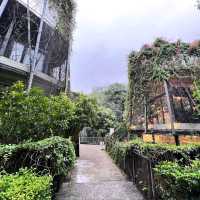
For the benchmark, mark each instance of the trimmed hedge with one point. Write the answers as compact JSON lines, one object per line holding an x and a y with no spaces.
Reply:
{"x":54,"y":155}
{"x":156,"y":152}
{"x":25,"y":185}
{"x":176,"y":182}
{"x":173,"y":181}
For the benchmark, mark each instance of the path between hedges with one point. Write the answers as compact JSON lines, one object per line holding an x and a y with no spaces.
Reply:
{"x":96,"y":177}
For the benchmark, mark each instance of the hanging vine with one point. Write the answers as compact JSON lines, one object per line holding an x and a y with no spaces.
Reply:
{"x":155,"y":63}
{"x":66,"y":11}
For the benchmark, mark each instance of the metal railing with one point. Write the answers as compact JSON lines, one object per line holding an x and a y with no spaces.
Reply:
{"x":138,"y":168}
{"x":91,"y":140}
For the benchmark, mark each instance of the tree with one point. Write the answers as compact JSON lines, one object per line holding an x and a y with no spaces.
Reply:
{"x":105,"y":120}
{"x":33,"y":116}
{"x":112,"y":97}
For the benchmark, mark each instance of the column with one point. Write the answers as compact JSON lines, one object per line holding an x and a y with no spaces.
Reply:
{"x":3,"y":6}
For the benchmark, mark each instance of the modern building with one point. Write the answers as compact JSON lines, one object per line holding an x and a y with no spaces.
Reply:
{"x":36,"y":43}
{"x":164,"y":105}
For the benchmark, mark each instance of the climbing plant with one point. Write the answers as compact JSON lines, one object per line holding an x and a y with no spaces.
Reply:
{"x":66,"y":11}
{"x":153,"y":64}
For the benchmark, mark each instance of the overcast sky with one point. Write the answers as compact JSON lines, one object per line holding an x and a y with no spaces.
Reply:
{"x":108,"y":30}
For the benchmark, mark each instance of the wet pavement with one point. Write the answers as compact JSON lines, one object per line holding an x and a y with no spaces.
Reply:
{"x":96,"y":177}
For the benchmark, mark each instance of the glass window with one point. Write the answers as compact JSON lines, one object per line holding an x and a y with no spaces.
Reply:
{"x":56,"y":72}
{"x":26,"y":60}
{"x":63,"y":71}
{"x":59,"y":72}
{"x":17,"y":51}
{"x":40,"y":62}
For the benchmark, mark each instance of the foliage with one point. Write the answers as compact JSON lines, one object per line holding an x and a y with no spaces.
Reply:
{"x":89,"y":114}
{"x":118,"y":150}
{"x":104,"y":121}
{"x":156,"y":152}
{"x":196,"y":95}
{"x":34,"y":116}
{"x":177,"y":174}
{"x":54,"y":155}
{"x":160,"y":74}
{"x":85,"y":111}
{"x":112,"y":97}
{"x":25,"y":185}
{"x":176,"y":182}
{"x":153,"y":64}
{"x":173,"y":181}
{"x":66,"y":12}
{"x":121,"y":132}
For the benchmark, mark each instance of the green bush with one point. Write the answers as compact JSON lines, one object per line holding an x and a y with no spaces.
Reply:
{"x":176,"y":182}
{"x":33,"y":115}
{"x":121,"y":132}
{"x":173,"y":181}
{"x":25,"y":185}
{"x":54,"y":155}
{"x":156,"y":152}
{"x":117,"y":150}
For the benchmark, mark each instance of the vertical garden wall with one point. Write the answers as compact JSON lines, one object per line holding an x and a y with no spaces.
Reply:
{"x":162,"y":78}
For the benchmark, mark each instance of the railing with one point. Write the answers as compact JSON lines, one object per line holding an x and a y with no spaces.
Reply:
{"x":91,"y":140}
{"x":139,"y":169}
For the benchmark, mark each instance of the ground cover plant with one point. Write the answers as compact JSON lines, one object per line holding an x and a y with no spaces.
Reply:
{"x":25,"y":185}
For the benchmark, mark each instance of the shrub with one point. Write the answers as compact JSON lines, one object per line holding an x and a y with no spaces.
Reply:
{"x":117,"y":150}
{"x":54,"y":155}
{"x":176,"y":182}
{"x":174,"y":157}
{"x":25,"y":185}
{"x":170,"y":152}
{"x":121,"y":132}
{"x":33,"y":115}
{"x":156,"y":152}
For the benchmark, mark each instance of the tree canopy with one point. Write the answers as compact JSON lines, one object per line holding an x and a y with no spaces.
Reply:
{"x":112,"y":97}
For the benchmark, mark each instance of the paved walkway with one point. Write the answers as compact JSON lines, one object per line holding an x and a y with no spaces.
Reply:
{"x":96,"y":177}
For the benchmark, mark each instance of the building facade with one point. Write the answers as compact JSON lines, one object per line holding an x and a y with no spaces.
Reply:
{"x":33,"y":44}
{"x":161,"y":86}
